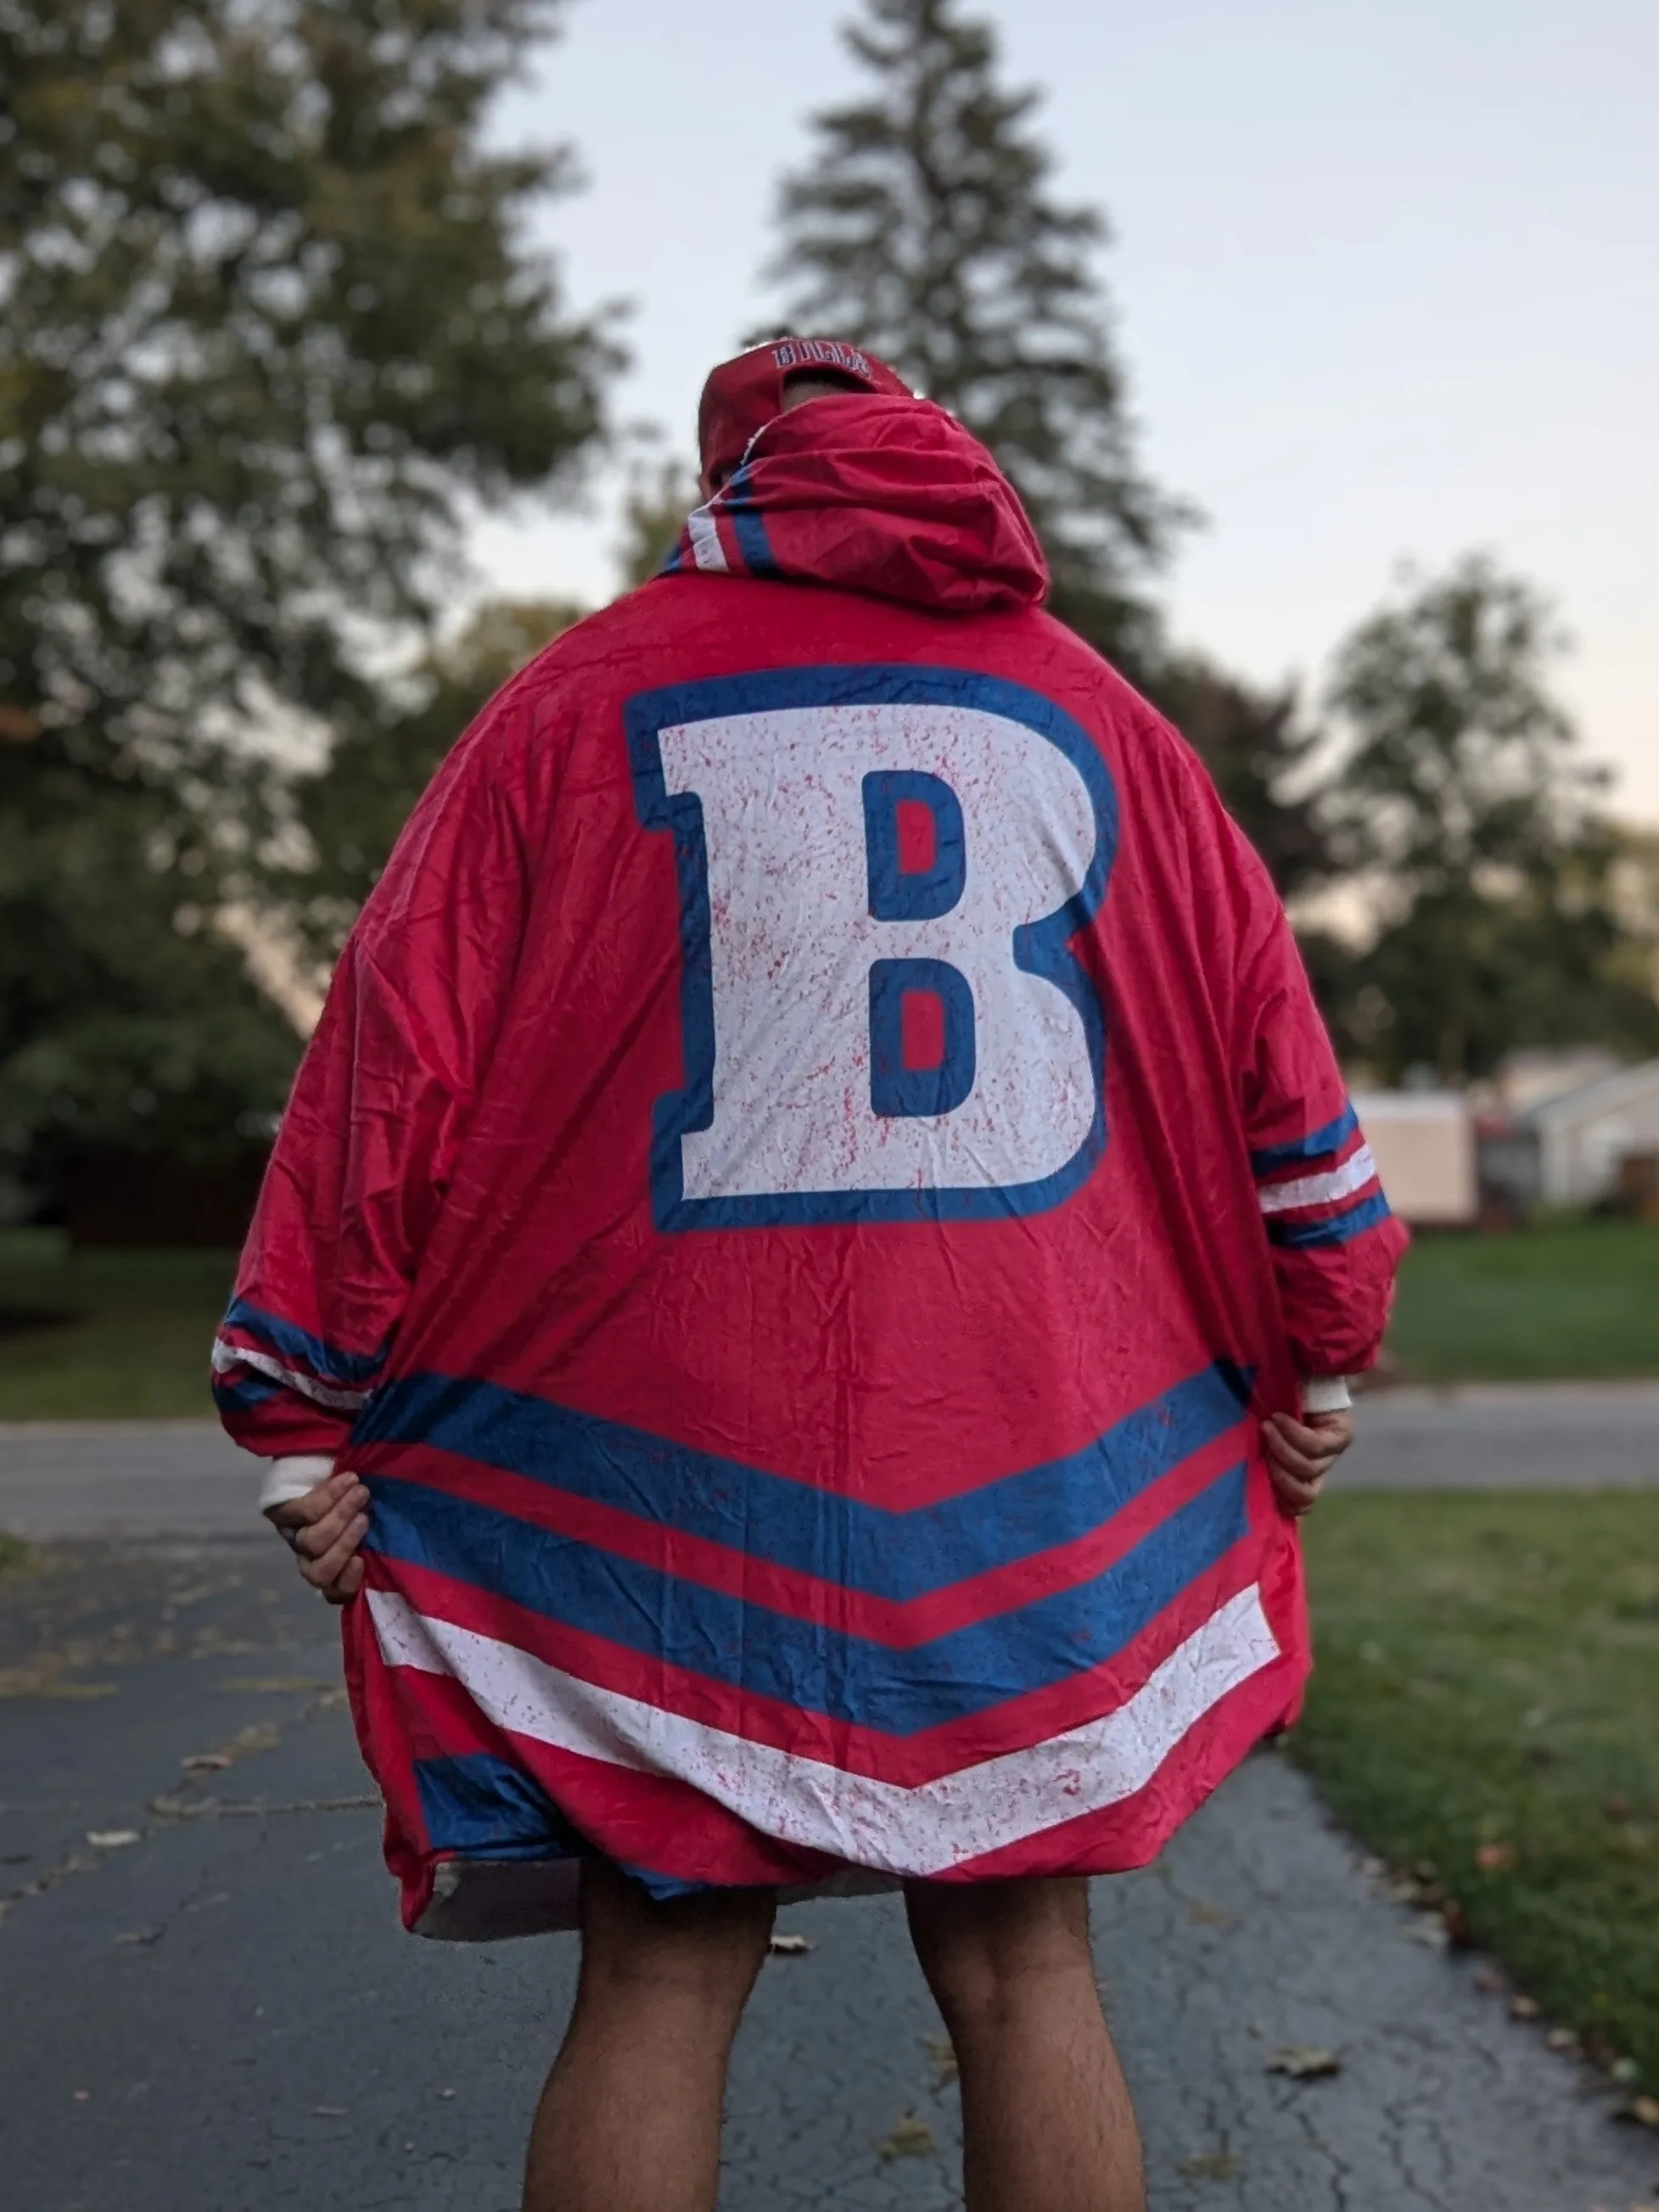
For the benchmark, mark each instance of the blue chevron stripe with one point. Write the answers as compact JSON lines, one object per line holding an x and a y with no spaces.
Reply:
{"x":847,"y":1540}
{"x":809,"y":1665}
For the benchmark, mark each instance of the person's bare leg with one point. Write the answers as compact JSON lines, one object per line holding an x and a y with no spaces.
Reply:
{"x":1046,"y":2118}
{"x":630,"y":2119}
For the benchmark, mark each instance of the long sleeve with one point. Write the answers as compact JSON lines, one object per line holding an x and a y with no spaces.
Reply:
{"x":1336,"y":1245}
{"x":380,"y":1109}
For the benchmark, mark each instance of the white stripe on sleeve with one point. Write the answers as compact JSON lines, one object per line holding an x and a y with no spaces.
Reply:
{"x":706,"y":548}
{"x":227,"y":1356}
{"x":1319,"y":1189}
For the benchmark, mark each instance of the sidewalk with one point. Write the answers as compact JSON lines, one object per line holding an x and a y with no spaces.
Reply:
{"x":221,"y":2012}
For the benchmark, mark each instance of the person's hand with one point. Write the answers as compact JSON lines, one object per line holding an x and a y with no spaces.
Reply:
{"x":324,"y":1530}
{"x":1300,"y":1454}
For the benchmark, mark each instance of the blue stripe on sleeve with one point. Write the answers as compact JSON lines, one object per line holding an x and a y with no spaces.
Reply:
{"x":241,"y":1397}
{"x":1272,"y":1157}
{"x":355,"y":1370}
{"x":1336,"y":1228}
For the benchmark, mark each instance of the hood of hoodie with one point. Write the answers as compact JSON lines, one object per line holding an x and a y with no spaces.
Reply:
{"x":886,"y":495}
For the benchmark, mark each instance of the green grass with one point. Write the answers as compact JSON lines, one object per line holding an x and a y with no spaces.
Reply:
{"x":1487,"y":1668}
{"x":1574,"y":1299}
{"x":134,"y":1339}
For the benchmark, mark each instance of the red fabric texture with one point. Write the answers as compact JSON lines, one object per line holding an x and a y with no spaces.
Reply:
{"x":886,"y":496}
{"x":463,"y":1238}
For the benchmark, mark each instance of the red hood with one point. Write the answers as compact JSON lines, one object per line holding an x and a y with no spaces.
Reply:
{"x":886,"y":495}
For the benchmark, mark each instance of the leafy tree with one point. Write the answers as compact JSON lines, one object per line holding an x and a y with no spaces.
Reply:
{"x":353,"y":813}
{"x":1463,"y":796}
{"x":925,"y":228}
{"x":272,"y":326}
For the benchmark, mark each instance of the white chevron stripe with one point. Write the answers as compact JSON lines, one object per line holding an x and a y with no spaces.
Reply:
{"x":921,"y":1831}
{"x":1318,"y":1190}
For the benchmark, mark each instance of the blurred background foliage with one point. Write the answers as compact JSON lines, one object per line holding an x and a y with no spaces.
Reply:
{"x":274,"y":329}
{"x":277,"y":331}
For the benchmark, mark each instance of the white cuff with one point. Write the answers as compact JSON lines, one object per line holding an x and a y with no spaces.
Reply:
{"x":1325,"y":1393}
{"x":289,"y":1479}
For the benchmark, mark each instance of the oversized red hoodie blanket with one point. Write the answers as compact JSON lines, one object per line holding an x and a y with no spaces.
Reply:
{"x":817,"y":1157}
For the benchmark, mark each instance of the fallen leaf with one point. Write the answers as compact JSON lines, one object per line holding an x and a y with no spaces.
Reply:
{"x":1495,"y":1858}
{"x":145,"y":1935}
{"x":943,"y":2052}
{"x":111,"y":1840}
{"x":204,"y":1762}
{"x":1490,"y":1982}
{"x":1304,"y":2062}
{"x":329,"y":2111}
{"x":82,"y":2096}
{"x":1523,"y":2007}
{"x":908,"y":2137}
{"x":262,"y":1735}
{"x":791,"y":1946}
{"x":1645,"y":2111}
{"x":1624,"y":2070}
{"x":269,"y":1685}
{"x":1211,"y":2164}
{"x":1428,"y":1927}
{"x":41,"y":1682}
{"x":1208,"y":1916}
{"x":1561,"y":2039}
{"x":445,"y":2092}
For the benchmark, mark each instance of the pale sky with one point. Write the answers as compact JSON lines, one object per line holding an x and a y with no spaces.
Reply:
{"x":1387,"y":282}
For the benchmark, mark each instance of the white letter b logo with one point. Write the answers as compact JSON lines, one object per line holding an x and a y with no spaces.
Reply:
{"x":880,"y":870}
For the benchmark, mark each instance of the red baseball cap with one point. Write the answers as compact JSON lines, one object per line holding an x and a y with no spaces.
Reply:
{"x":742,"y":396}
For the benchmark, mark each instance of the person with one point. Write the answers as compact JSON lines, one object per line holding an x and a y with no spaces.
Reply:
{"x":805,"y":1280}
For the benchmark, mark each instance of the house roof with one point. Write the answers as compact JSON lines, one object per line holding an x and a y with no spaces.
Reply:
{"x":1607,"y":1095}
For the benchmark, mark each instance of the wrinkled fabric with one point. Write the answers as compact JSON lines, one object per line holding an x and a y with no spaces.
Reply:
{"x":818,"y":1157}
{"x":886,"y":495}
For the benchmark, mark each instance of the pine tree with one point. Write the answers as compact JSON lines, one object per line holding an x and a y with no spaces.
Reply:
{"x":273,"y":328}
{"x":925,"y":228}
